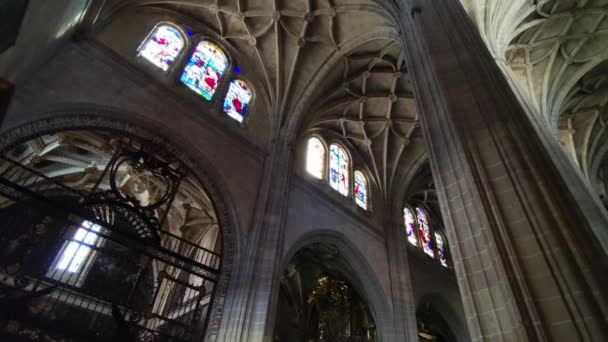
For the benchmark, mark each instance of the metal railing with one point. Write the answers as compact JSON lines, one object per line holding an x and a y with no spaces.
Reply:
{"x":79,"y":272}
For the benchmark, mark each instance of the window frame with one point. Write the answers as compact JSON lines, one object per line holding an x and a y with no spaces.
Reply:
{"x":409,"y":207}
{"x":176,"y":70}
{"x":179,"y":59}
{"x":349,"y":169}
{"x":434,"y":229}
{"x":367,"y":189}
{"x":445,"y":242}
{"x":79,"y":276}
{"x":324,"y":172}
{"x":355,"y":164}
{"x":234,"y":77}
{"x":222,"y":87}
{"x":430,"y":226}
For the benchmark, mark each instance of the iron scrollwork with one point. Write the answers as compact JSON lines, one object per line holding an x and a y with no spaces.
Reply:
{"x":132,"y":264}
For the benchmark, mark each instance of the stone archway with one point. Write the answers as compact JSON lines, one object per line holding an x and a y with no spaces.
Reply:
{"x":437,"y":321}
{"x":112,"y":122}
{"x":348,"y":264}
{"x":319,"y":302}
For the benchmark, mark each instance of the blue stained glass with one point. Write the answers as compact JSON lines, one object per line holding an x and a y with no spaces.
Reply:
{"x":338,"y":169}
{"x":203,"y":72}
{"x":360,"y":189}
{"x":162,"y":47}
{"x":237,"y":100}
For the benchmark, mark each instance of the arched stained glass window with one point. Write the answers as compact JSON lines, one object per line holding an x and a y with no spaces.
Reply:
{"x":204,"y":71}
{"x":441,"y":249}
{"x":410,"y":226}
{"x":338,"y":169}
{"x":315,"y":157}
{"x":361,"y":189}
{"x":162,"y":46}
{"x":237,"y":100}
{"x":426,"y":237}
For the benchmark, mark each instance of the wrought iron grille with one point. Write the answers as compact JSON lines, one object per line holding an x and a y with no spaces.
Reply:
{"x":95,"y":266}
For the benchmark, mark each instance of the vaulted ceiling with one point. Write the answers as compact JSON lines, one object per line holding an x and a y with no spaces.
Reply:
{"x":334,"y":65}
{"x":372,"y":107}
{"x":337,"y":65}
{"x":78,"y":159}
{"x":555,"y":52}
{"x":290,"y":43}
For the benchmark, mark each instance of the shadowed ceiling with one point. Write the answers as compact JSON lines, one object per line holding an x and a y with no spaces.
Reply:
{"x":333,"y":65}
{"x":556,"y":52}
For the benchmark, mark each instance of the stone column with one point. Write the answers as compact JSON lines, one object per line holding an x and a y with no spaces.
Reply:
{"x":528,"y":265}
{"x":250,"y":313}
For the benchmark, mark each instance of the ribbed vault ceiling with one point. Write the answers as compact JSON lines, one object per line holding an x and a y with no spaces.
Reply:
{"x":372,"y":107}
{"x":585,"y":115}
{"x":289,"y":42}
{"x":78,"y":158}
{"x":325,"y":64}
{"x":555,"y":50}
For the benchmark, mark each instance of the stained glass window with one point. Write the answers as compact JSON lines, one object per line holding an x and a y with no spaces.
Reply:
{"x":237,"y":100}
{"x":315,"y":157}
{"x":361,"y":190}
{"x":410,"y":226}
{"x":338,"y":169}
{"x":203,"y":72}
{"x":426,"y":237}
{"x":441,"y":249}
{"x":162,"y":47}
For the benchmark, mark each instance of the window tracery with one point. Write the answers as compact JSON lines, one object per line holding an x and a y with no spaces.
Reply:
{"x":361,"y":190}
{"x":338,"y":169}
{"x":205,"y":68}
{"x":162,"y":46}
{"x":418,"y":228}
{"x":237,"y":100}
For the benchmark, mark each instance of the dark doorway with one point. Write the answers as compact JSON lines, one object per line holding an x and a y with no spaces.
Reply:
{"x":317,"y":302}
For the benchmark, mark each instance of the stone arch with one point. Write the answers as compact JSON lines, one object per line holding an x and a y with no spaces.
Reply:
{"x":363,"y":278}
{"x":401,"y":192}
{"x":457,"y":328}
{"x":108,"y":119}
{"x":562,"y":93}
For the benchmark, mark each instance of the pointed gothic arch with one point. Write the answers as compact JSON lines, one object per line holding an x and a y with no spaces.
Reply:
{"x":358,"y":271}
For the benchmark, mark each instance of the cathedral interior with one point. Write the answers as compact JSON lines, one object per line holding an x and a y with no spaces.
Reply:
{"x":304,"y":170}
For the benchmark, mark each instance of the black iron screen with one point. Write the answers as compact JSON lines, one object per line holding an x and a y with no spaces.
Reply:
{"x":93,"y":266}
